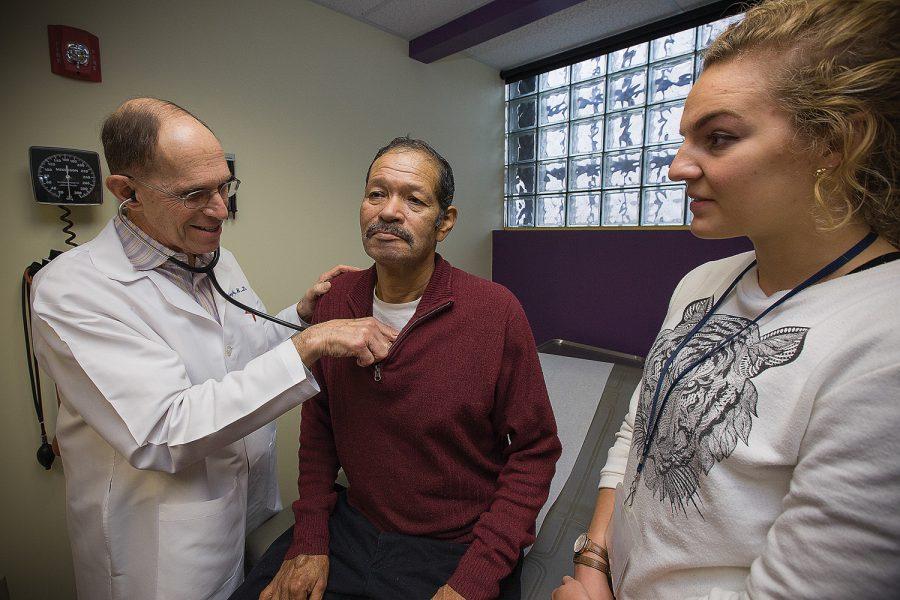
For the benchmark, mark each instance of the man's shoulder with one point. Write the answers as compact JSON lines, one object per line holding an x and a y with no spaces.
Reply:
{"x":81,"y":269}
{"x":347,"y":281}
{"x":73,"y":284}
{"x":68,"y":269}
{"x":333,"y":304}
{"x":481,"y":291}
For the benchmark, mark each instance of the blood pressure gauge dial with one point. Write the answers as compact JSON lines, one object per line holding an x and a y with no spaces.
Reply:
{"x":65,"y":176}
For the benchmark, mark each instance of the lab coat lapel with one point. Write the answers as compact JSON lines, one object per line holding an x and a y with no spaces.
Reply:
{"x":223,"y":275}
{"x":110,"y":259}
{"x":177,"y":297}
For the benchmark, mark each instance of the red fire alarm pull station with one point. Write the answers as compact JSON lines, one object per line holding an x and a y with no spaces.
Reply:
{"x":74,"y":53}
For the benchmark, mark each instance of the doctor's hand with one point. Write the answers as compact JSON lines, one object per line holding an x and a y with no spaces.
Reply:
{"x":368,"y":340}
{"x":308,"y":303}
{"x":301,"y":578}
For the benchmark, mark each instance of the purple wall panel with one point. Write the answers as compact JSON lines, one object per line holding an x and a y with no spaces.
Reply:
{"x":604,"y":288}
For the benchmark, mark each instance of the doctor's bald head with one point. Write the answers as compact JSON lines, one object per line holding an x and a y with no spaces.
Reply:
{"x":169,"y":172}
{"x":131,"y":134}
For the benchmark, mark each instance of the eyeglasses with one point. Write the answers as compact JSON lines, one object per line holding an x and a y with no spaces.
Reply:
{"x":198,"y":198}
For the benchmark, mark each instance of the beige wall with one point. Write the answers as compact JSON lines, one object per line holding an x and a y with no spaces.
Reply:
{"x":303,"y":96}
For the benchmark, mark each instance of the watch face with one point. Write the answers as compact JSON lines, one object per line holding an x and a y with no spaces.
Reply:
{"x":580,"y":543}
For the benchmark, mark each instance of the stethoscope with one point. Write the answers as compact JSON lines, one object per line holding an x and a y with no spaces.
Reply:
{"x":207,"y":270}
{"x":656,"y":407}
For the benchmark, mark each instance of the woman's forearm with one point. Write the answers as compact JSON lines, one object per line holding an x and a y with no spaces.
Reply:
{"x":593,"y":580}
{"x":603,"y":511}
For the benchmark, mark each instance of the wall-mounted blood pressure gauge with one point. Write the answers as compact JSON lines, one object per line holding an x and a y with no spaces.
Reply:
{"x":64,"y":176}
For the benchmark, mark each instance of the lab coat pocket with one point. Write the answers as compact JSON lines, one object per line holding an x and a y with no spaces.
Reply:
{"x":201,"y":547}
{"x":263,"y":500}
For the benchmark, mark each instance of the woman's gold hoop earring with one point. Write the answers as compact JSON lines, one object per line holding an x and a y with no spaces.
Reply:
{"x":821,"y":172}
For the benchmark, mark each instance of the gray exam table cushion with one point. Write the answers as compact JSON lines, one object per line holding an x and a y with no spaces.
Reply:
{"x":578,"y":407}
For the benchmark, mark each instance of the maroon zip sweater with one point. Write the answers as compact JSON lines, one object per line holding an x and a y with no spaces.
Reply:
{"x":451,"y":437}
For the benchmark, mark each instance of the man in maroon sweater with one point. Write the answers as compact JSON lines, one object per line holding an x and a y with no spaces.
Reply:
{"x":449,"y":443}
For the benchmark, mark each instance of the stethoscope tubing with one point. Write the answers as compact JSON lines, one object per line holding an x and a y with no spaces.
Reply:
{"x":207,"y":270}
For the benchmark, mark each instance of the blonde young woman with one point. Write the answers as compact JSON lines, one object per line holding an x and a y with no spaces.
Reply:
{"x":761,"y":454}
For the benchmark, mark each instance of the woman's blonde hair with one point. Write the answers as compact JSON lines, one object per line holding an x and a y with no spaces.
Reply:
{"x":837,"y":76}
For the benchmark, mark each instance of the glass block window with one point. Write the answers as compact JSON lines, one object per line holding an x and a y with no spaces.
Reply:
{"x":590,"y":144}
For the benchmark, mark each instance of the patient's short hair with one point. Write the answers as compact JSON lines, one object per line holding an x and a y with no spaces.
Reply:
{"x":445,"y":188}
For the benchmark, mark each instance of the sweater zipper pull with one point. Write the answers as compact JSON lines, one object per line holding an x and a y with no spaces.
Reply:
{"x":378,"y":372}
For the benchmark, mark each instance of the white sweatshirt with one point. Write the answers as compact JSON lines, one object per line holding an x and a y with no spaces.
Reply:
{"x":775,"y":471}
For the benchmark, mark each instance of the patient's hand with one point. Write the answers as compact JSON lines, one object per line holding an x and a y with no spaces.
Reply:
{"x":447,"y":593}
{"x":301,"y":578}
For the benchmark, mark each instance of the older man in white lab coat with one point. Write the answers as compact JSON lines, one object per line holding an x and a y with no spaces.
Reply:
{"x":167,"y":391}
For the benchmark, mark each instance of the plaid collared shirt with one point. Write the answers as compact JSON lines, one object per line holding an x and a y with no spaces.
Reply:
{"x":196,"y":285}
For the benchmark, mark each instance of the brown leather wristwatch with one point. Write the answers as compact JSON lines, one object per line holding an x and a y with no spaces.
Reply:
{"x":585,"y":544}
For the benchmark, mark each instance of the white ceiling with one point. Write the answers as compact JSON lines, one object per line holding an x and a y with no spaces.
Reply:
{"x":575,"y":26}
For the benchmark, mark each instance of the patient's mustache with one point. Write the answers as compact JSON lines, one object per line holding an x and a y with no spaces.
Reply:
{"x":391,"y":229}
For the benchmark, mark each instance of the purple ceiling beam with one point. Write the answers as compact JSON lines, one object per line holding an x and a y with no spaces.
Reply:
{"x":482,"y":24}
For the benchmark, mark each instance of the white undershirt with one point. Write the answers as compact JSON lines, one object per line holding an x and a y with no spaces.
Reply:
{"x":395,"y":315}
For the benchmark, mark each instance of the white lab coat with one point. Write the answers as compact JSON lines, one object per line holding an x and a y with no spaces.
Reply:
{"x":165,"y":421}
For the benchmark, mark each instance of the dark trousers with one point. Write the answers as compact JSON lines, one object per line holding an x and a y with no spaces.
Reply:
{"x":365,"y":563}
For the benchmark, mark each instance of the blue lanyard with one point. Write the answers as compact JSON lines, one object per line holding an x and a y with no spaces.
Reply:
{"x":656,"y":411}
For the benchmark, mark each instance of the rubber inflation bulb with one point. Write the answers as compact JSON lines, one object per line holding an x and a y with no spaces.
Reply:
{"x":45,"y":455}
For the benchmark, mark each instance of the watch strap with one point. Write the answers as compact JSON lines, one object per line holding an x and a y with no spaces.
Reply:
{"x":599,"y":565}
{"x":594,"y":547}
